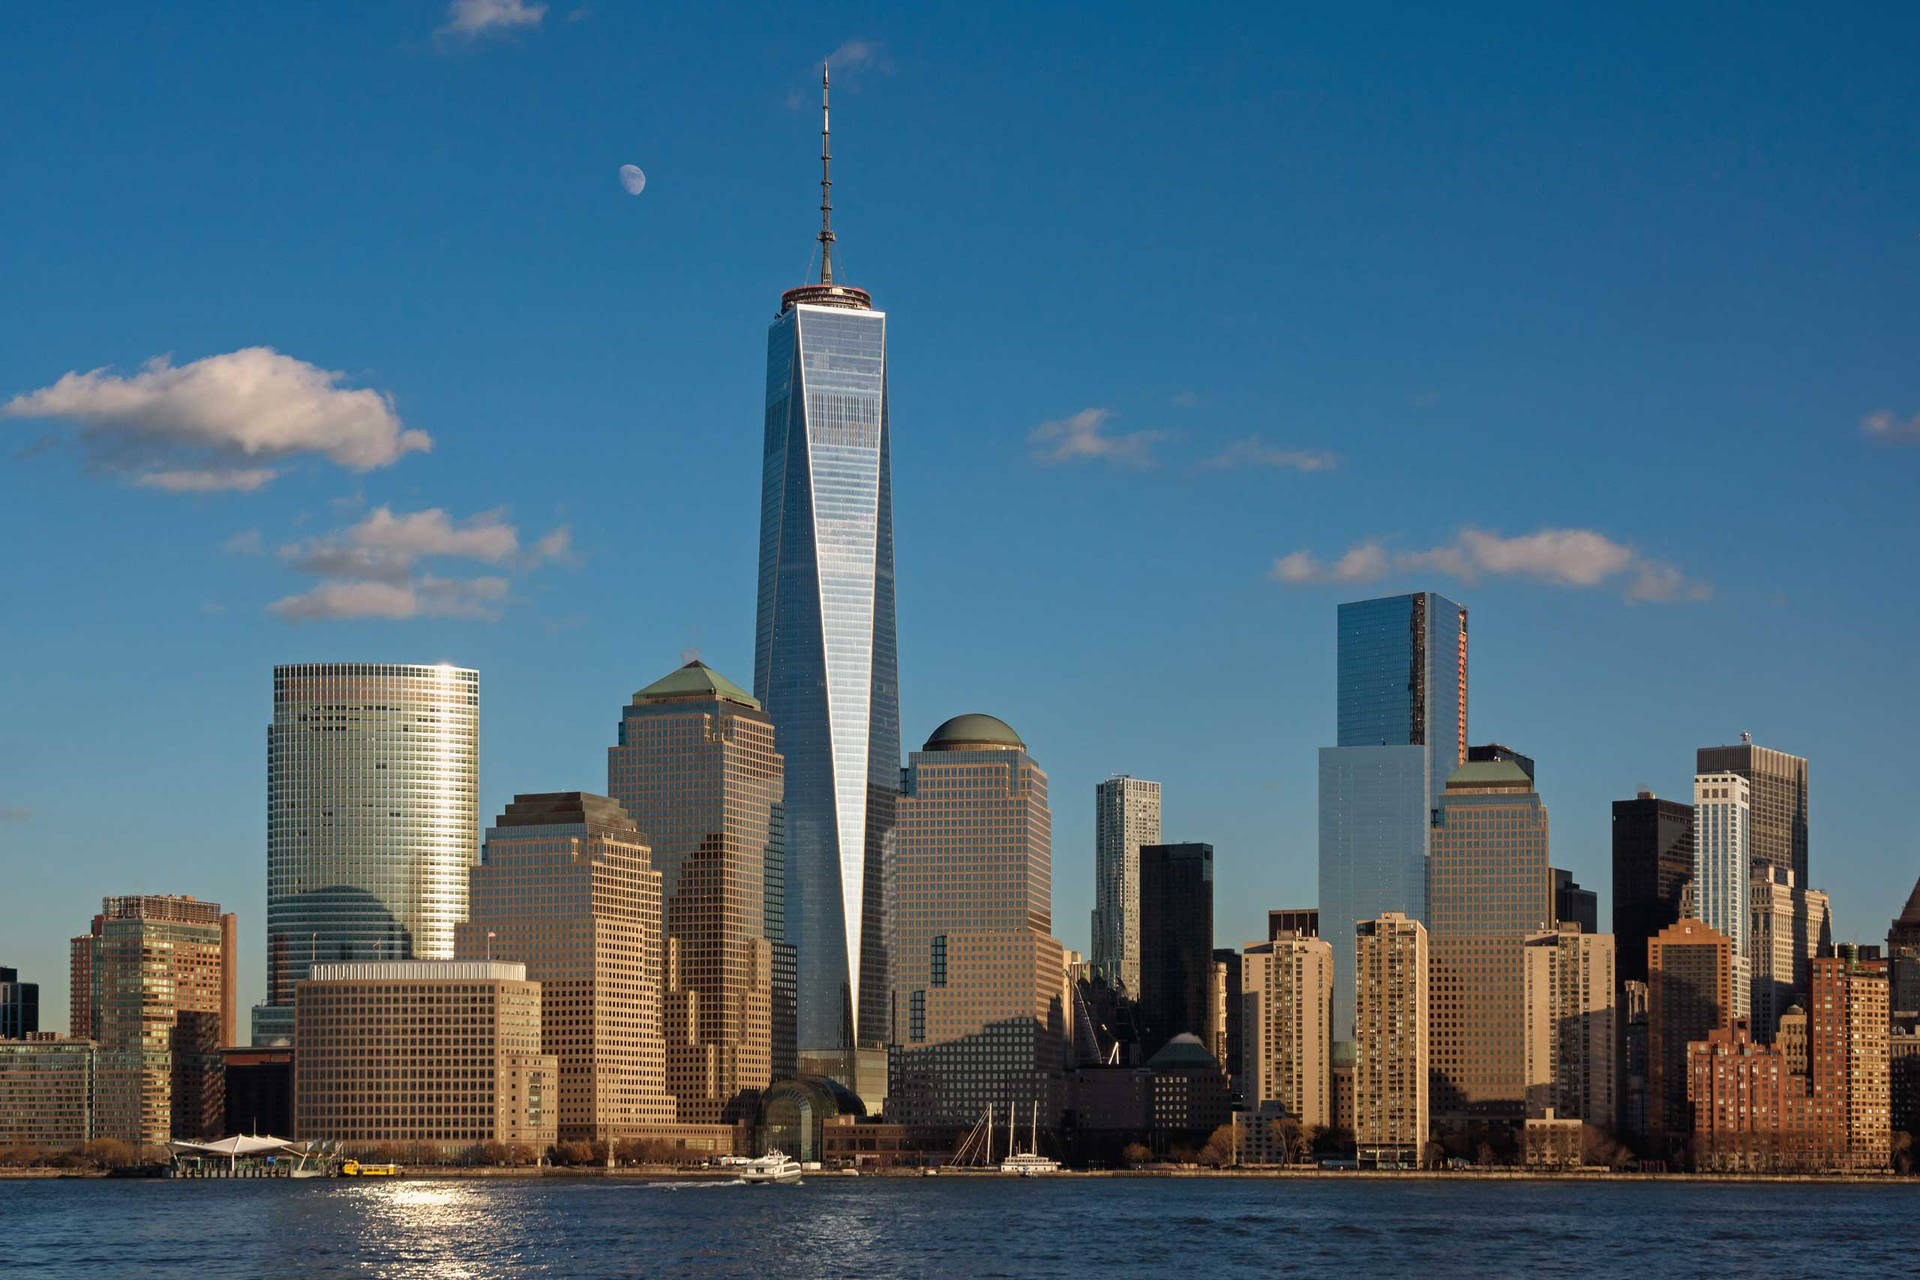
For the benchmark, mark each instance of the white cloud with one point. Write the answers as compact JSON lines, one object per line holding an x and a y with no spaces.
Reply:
{"x":1254,"y":452}
{"x":247,"y":542}
{"x":1884,"y":426}
{"x":474,"y":18}
{"x":191,"y":421}
{"x":1084,"y":436}
{"x":855,"y":55}
{"x":555,"y":545}
{"x":236,"y":481}
{"x":1564,"y":557}
{"x":425,"y":597}
{"x":432,"y":532}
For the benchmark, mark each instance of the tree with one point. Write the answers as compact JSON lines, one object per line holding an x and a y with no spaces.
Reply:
{"x":1485,"y":1154}
{"x":1288,"y":1135}
{"x":1218,"y":1151}
{"x":1136,"y":1154}
{"x":1900,"y":1150}
{"x":1432,"y":1156}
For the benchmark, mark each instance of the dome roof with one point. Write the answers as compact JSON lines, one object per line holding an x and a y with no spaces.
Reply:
{"x":973,"y":732}
{"x":1184,"y":1050}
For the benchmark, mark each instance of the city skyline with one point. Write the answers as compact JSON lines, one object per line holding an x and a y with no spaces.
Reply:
{"x":566,"y":643}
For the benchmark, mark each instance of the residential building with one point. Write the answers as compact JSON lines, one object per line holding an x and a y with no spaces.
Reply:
{"x":445,"y":1052}
{"x":47,"y":1092}
{"x":1488,"y":889}
{"x":1391,"y":1058}
{"x":1633,"y":1073}
{"x":1848,"y":1055}
{"x":1176,"y":943}
{"x":1777,"y":790}
{"x":160,"y":1001}
{"x":1286,"y":1016}
{"x":1689,"y":993}
{"x":19,"y":1006}
{"x":567,"y":891}
{"x":981,"y":1012}
{"x":1790,"y":926}
{"x":1572,"y":1026}
{"x":1903,"y":1073}
{"x":1750,"y":1112}
{"x":1187,"y":1096}
{"x":1300,"y":922}
{"x":1722,"y":872}
{"x":826,"y":663}
{"x":1344,"y":1057}
{"x":1903,"y":955}
{"x":1652,"y":867}
{"x":1126,"y":815}
{"x":1402,"y":675}
{"x":373,"y":818}
{"x":1574,"y":905}
{"x":1225,"y":1001}
{"x":697,"y":772}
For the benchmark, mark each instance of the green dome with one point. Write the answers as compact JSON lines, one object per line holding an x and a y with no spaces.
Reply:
{"x":1184,"y":1050}
{"x":974,"y":732}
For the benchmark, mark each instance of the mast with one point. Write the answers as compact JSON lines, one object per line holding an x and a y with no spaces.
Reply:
{"x":1034,"y":1138}
{"x":826,"y":185}
{"x":989,"y":1133}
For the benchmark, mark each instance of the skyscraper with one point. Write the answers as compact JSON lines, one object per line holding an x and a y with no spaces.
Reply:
{"x":1126,"y":815}
{"x":567,"y":890}
{"x":1176,"y":944}
{"x":372,"y":818}
{"x":696,"y":770}
{"x":1488,"y":889}
{"x":1847,"y":1053}
{"x":980,"y":1015}
{"x":1722,"y":872}
{"x":1903,"y":956}
{"x":1286,"y":1002}
{"x":19,"y":1006}
{"x":1689,"y":993}
{"x":1571,"y":1025}
{"x":1778,"y":793}
{"x":825,"y":664}
{"x":1791,"y":925}
{"x":1652,"y":866}
{"x":1574,"y":905}
{"x":1391,"y":1058}
{"x":1402,"y":672}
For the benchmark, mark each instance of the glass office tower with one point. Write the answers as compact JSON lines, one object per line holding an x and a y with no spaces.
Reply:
{"x":1402,"y":723}
{"x":372,"y":818}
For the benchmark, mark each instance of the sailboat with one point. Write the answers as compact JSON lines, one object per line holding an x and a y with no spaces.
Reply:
{"x":1029,"y":1163}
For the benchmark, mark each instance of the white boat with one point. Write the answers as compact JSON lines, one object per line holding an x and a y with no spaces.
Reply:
{"x":1029,"y":1163}
{"x":773,"y":1167}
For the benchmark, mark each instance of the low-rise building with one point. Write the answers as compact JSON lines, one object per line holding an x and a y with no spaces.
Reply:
{"x":1552,"y":1141}
{"x":46,"y":1092}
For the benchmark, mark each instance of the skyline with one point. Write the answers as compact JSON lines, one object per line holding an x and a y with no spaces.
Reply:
{"x":1609,"y":696}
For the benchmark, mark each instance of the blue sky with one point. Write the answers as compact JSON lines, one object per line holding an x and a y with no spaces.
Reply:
{"x":1603,"y":323}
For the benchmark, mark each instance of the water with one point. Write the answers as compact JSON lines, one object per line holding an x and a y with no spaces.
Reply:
{"x":953,"y":1226}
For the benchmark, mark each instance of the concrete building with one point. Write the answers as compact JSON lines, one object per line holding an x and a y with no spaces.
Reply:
{"x":1777,"y":790}
{"x":1402,"y":723}
{"x":1302,"y":922}
{"x":1176,"y":943}
{"x":1126,"y":815}
{"x":1848,"y":1057}
{"x":1572,"y":1026}
{"x":1574,"y":905}
{"x":1488,"y":889}
{"x":1791,"y":925}
{"x":697,"y":772}
{"x":1903,"y":955}
{"x":1722,"y":872}
{"x":1286,"y":1019}
{"x":1391,"y":1057}
{"x":981,"y":1009}
{"x":1633,"y":1073}
{"x":1226,"y":1014}
{"x":47,"y":1092}
{"x":19,"y":1006}
{"x":160,"y":999}
{"x":445,"y":1052}
{"x":1750,"y":1112}
{"x":1689,"y":993}
{"x":373,"y":818}
{"x":566,"y":890}
{"x":1903,"y":1074}
{"x":1344,"y":1057}
{"x":1652,"y":867}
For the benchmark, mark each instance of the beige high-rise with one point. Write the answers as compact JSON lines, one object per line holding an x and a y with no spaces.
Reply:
{"x":1847,"y":1031}
{"x":980,"y":1009}
{"x":1391,"y":1056}
{"x":160,"y":999}
{"x":697,"y":772}
{"x":438,"y":1051}
{"x":1790,"y":924}
{"x":1286,"y":1002}
{"x":1126,"y":816}
{"x":566,"y":888}
{"x":1571,"y":1025}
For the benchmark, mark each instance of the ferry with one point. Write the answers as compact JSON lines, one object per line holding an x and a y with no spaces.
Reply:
{"x":774,"y":1167}
{"x":356,"y":1169}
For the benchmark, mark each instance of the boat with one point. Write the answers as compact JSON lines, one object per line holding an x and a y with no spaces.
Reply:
{"x":773,"y":1167}
{"x":1029,"y":1163}
{"x":356,"y":1169}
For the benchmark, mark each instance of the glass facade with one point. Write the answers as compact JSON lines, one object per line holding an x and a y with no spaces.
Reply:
{"x":1126,"y":816}
{"x":825,"y":666}
{"x":1373,"y":850}
{"x":1722,"y":870}
{"x":372,"y":817}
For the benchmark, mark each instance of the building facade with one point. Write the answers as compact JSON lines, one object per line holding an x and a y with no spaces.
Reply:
{"x":1489,"y":888}
{"x":1652,"y":867}
{"x":1778,"y":793}
{"x":373,"y":818}
{"x":46,"y":1092}
{"x":1391,"y":1058}
{"x":1689,"y":993}
{"x":1302,"y":922}
{"x":1790,"y":926}
{"x":1574,"y":905}
{"x":1286,"y":1018}
{"x":1126,"y":815}
{"x":567,"y":891}
{"x":981,"y":1012}
{"x":697,"y":772}
{"x":1176,"y":944}
{"x":160,"y":1001}
{"x":1722,"y":872}
{"x":1572,"y":1026}
{"x":1402,"y":674}
{"x":19,"y":1006}
{"x":1903,"y":955}
{"x":445,"y":1052}
{"x":1848,"y":1055}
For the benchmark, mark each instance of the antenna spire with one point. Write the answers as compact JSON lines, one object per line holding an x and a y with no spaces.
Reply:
{"x":826,"y":185}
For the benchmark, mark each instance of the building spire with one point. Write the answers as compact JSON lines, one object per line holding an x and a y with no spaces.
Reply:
{"x":826,"y":185}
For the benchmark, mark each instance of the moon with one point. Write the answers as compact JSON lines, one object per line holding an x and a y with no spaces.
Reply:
{"x":632,"y":179}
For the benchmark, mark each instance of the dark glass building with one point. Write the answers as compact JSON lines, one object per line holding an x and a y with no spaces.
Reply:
{"x":1574,"y":905}
{"x":1777,"y":785}
{"x":1298,"y":922}
{"x":19,"y":1006}
{"x":1652,"y":865}
{"x":1176,"y":944}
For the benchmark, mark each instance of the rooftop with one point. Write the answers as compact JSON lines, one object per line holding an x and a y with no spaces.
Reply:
{"x":1184,"y":1050}
{"x":1489,"y":773}
{"x":974,"y":732}
{"x":564,"y":809}
{"x":421,"y":971}
{"x":695,"y":682}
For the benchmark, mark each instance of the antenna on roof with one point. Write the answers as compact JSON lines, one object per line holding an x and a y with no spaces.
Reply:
{"x":826,"y":185}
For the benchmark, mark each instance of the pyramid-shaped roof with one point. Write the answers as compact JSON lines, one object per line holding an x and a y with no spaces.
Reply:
{"x":1912,"y":913}
{"x":696,"y":680}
